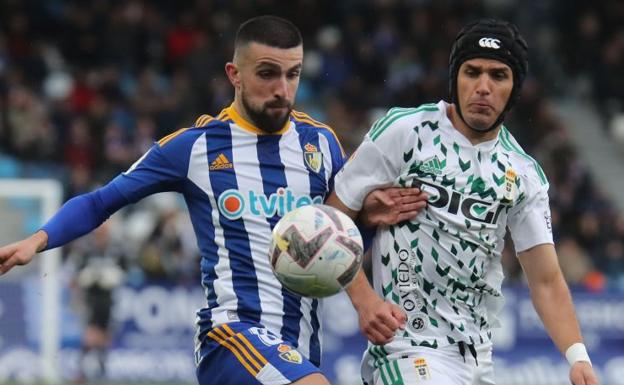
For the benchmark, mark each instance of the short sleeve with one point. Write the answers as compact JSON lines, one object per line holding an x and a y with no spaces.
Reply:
{"x":377,"y":162}
{"x":530,"y":221}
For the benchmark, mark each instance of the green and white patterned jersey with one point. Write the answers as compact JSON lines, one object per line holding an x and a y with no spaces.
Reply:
{"x":444,"y":267}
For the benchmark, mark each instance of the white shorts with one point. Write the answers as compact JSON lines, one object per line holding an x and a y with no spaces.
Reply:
{"x":427,"y":366}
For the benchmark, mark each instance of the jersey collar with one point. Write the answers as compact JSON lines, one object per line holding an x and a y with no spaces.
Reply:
{"x":247,"y":126}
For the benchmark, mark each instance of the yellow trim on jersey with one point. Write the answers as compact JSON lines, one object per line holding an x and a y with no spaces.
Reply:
{"x":302,"y":116}
{"x":218,"y":335}
{"x":223,"y":115}
{"x":247,"y":126}
{"x":246,"y":342}
{"x":203,"y":120}
{"x":230,"y":338}
{"x":305,"y":118}
{"x":199,"y":122}
{"x":169,"y":137}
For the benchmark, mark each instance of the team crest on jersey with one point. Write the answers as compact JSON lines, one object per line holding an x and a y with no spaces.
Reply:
{"x":422,"y":369}
{"x":313,"y":157}
{"x":290,"y":355}
{"x":510,"y":185}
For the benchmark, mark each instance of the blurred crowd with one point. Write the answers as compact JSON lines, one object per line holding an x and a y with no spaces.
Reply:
{"x":593,"y":54}
{"x":87,"y":87}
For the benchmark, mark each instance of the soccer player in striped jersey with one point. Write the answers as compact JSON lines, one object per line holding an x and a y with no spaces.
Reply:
{"x":239,"y":172}
{"x":443,"y":268}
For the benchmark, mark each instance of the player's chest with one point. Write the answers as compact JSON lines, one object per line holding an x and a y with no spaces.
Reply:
{"x":263,"y":177}
{"x":466,"y":184}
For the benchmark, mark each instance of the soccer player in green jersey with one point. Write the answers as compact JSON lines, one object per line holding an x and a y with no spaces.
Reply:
{"x":437,"y":278}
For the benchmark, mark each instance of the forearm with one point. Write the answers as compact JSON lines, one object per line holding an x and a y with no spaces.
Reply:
{"x":553,"y":303}
{"x":80,"y":215}
{"x":360,"y":290}
{"x":40,"y":240}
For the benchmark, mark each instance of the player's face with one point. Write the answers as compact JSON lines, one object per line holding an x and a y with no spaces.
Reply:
{"x":267,"y":79}
{"x":483,"y":89}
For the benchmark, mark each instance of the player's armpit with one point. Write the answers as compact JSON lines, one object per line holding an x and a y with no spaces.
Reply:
{"x":335,"y":202}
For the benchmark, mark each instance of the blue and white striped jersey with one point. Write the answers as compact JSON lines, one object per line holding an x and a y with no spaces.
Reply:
{"x":237,"y":182}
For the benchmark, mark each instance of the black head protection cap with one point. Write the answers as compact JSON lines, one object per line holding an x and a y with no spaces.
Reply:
{"x":490,"y":39}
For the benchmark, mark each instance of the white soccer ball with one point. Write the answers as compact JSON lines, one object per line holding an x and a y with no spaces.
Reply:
{"x":315,"y":251}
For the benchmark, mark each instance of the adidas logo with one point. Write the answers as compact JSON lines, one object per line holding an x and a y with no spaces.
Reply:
{"x":431,"y":166}
{"x":221,"y":163}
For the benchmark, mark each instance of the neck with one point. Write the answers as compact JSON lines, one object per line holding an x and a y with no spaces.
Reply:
{"x":242,"y":112}
{"x":475,"y":137}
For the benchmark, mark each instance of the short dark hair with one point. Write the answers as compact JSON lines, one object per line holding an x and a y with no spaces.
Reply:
{"x":268,"y":30}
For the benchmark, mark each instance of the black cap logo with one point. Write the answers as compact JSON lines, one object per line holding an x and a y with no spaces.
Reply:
{"x":489,"y":42}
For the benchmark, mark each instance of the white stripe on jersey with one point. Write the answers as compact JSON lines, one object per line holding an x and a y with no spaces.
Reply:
{"x":296,"y":176}
{"x":258,"y":230}
{"x":325,"y":150}
{"x":223,"y":286}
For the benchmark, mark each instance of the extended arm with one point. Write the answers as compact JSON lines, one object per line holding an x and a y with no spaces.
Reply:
{"x":553,"y":303}
{"x":77,"y":217}
{"x":160,"y":169}
{"x":361,"y":189}
{"x":378,"y":319}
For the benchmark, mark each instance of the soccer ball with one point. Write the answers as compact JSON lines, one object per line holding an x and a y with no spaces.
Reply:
{"x":315,"y":251}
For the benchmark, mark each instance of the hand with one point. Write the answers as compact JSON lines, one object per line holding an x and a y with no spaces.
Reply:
{"x":392,"y":205}
{"x":582,"y":373}
{"x":22,"y":252}
{"x":379,"y":320}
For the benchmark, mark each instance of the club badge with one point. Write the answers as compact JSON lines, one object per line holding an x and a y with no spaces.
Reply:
{"x":313,"y":157}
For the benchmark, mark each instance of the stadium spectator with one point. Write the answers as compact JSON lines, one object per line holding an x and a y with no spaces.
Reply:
{"x":239,"y":172}
{"x":112,"y":52}
{"x":99,"y":260}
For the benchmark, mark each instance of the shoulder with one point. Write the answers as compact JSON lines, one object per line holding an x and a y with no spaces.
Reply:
{"x":526,"y":165}
{"x":188,"y":135}
{"x":401,"y":118}
{"x":304,"y":122}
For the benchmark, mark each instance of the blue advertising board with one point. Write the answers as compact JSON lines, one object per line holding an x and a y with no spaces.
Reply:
{"x":153,"y":337}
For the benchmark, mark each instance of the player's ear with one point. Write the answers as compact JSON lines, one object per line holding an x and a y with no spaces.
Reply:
{"x":232,"y":72}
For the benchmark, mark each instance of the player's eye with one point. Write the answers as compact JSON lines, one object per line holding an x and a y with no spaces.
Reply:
{"x":266,"y":74}
{"x":471,"y":72}
{"x":500,"y":75}
{"x":294,"y":74}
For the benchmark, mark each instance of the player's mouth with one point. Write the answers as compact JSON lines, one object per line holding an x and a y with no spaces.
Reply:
{"x":278,"y":106}
{"x":283,"y":108}
{"x":480,"y":108}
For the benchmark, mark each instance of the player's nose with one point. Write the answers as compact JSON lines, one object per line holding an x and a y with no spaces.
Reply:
{"x":281,"y":88}
{"x":484,"y":85}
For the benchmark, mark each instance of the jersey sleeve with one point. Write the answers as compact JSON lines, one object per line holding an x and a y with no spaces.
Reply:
{"x":92,"y":208}
{"x":377,"y":162}
{"x":162,"y":168}
{"x":530,"y":221}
